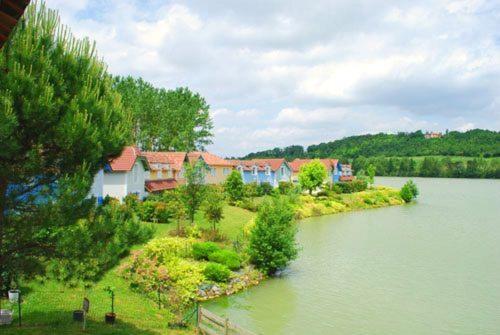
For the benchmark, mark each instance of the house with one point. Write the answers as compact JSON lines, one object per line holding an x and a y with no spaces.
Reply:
{"x":261,"y":171}
{"x":346,"y":173}
{"x":333,"y":168}
{"x":433,"y":134}
{"x":218,"y":168}
{"x":166,"y":170}
{"x":123,"y":175}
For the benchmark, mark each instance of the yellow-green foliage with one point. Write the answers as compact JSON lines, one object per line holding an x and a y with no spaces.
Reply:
{"x":371,"y":198}
{"x":167,"y":247}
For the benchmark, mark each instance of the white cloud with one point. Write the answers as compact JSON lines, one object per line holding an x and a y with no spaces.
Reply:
{"x":277,"y":73}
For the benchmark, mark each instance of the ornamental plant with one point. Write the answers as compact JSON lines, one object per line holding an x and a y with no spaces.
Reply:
{"x":228,"y":258}
{"x":217,"y":272}
{"x":234,"y":187}
{"x":409,"y":191}
{"x":202,"y":250}
{"x":272,"y":240}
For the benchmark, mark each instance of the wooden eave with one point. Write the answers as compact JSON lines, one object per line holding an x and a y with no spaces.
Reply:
{"x":10,"y":13}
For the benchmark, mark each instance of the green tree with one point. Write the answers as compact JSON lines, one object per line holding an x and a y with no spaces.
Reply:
{"x":370,"y":170}
{"x":61,"y":121}
{"x":213,"y":208}
{"x":409,"y":191}
{"x":272,"y":241}
{"x":312,"y":175}
{"x":166,"y":119}
{"x":234,"y":186}
{"x":193,"y":192}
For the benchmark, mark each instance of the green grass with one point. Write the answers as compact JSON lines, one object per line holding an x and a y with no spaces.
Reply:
{"x":231,"y":226}
{"x":48,"y":305}
{"x":48,"y":308}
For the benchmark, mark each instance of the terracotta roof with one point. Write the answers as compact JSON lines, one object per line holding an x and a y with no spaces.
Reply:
{"x":175,"y":159}
{"x":346,"y":178}
{"x":209,"y":158}
{"x":329,"y":163}
{"x":160,"y":185}
{"x":126,"y":160}
{"x":273,"y":163}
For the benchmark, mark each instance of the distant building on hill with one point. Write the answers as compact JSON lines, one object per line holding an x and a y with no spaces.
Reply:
{"x":433,"y":134}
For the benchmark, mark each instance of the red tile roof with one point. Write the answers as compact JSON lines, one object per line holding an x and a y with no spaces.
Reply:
{"x":209,"y":158}
{"x":329,"y":163}
{"x":160,"y":185}
{"x":126,"y":160}
{"x":175,"y":159}
{"x":346,"y":178}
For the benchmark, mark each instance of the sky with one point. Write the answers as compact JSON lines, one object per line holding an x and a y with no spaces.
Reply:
{"x":277,"y":73}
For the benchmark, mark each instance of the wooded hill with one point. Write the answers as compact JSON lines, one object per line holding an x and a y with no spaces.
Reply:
{"x":472,"y":143}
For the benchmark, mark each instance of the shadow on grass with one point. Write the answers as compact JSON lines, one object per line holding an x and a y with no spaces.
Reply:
{"x":61,"y":323}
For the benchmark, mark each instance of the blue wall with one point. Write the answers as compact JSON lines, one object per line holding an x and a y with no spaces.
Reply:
{"x":273,"y":178}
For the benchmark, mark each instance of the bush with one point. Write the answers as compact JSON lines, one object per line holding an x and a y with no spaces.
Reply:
{"x":409,"y":191}
{"x":250,"y":190}
{"x":163,"y":213}
{"x":226,"y":257}
{"x":264,"y":189}
{"x":147,"y":210}
{"x":248,"y":204}
{"x":272,"y":241}
{"x":217,"y":272}
{"x":234,"y":186}
{"x":285,"y":187}
{"x":357,"y":185}
{"x":201,"y":250}
{"x":168,"y":247}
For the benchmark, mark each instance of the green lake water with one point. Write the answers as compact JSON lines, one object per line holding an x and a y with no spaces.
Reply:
{"x":432,"y":267}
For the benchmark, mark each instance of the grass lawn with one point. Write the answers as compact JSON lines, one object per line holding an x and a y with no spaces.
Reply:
{"x":48,"y":306}
{"x":231,"y":225}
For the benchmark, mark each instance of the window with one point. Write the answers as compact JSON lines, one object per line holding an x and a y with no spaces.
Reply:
{"x":212,"y":171}
{"x":268,"y":171}
{"x":135,"y":174}
{"x":282,"y":170}
{"x":226,"y":171}
{"x":240,"y":168}
{"x":255,"y":170}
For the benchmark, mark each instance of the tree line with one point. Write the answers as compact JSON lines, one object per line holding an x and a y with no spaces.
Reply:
{"x":472,"y":143}
{"x":445,"y":167}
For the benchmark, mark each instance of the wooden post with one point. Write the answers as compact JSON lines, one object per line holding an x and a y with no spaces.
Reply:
{"x":226,"y":327}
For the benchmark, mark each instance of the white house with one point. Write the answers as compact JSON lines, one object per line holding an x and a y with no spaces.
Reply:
{"x":123,"y":175}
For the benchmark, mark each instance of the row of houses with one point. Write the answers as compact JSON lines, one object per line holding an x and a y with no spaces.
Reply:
{"x":142,"y":172}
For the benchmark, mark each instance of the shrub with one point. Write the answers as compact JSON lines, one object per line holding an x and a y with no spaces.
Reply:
{"x":132,"y":202}
{"x":272,"y":241}
{"x":226,"y":257}
{"x":264,"y":189}
{"x":217,"y":272}
{"x":248,"y":204}
{"x":409,"y":191}
{"x":357,"y":185}
{"x":250,"y":190}
{"x":147,"y":210}
{"x":285,"y":187}
{"x":234,"y":186}
{"x":201,"y":250}
{"x":163,"y":213}
{"x":213,"y":208}
{"x":167,"y":247}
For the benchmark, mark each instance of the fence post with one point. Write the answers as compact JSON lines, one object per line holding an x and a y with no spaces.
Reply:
{"x":198,"y":317}
{"x":19,"y":307}
{"x":226,"y":327}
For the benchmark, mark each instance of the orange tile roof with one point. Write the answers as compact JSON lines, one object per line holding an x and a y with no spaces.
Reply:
{"x":160,"y":185}
{"x":126,"y":160}
{"x":329,"y":163}
{"x":209,"y":158}
{"x":175,"y":159}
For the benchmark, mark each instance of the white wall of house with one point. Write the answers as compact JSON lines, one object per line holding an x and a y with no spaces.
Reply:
{"x":97,"y":186}
{"x":135,"y":180}
{"x":115,"y":184}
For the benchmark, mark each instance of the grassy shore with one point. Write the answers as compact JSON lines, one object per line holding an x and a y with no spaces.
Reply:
{"x":48,"y":305}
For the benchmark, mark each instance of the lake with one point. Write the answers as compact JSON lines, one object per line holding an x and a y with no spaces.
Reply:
{"x":432,"y":267}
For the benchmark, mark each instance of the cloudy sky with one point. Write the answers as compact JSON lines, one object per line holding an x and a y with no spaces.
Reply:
{"x":278,"y":73}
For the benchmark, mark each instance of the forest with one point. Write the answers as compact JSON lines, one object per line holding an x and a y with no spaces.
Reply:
{"x":472,"y":143}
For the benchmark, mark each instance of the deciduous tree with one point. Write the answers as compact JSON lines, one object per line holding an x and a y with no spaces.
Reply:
{"x":312,"y":175}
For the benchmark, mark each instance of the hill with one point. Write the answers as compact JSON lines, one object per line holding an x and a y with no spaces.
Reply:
{"x":472,"y":143}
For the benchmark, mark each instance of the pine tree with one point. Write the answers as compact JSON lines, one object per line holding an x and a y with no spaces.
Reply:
{"x":60,"y":121}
